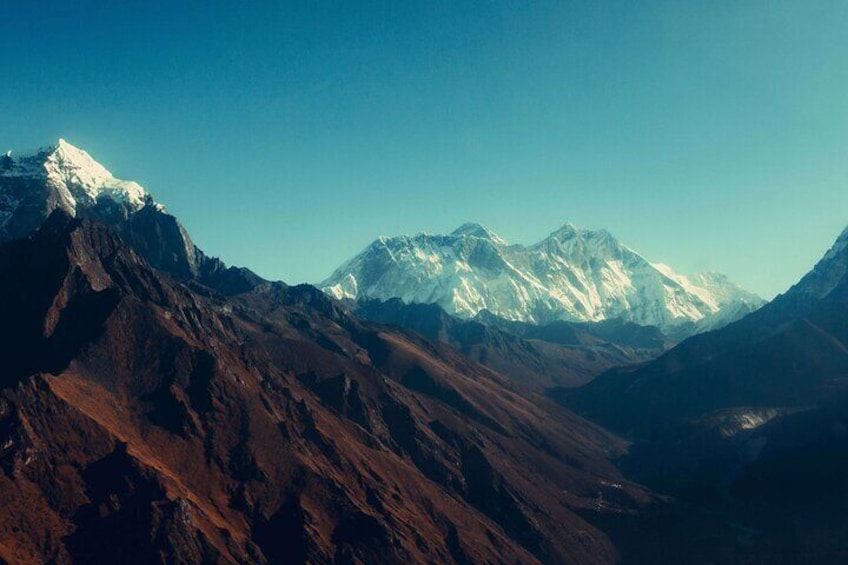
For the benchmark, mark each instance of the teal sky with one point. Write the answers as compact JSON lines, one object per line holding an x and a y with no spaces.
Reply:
{"x":288,"y":135}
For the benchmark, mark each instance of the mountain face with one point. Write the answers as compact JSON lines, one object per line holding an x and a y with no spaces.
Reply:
{"x":828,"y":274}
{"x":147,"y":418}
{"x":791,"y":352}
{"x":748,"y":423}
{"x":556,"y":354}
{"x":64,"y":177}
{"x":573,"y":275}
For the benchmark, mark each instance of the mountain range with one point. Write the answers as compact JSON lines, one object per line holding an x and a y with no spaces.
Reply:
{"x":158,"y":406}
{"x":540,"y":356}
{"x":748,"y":424}
{"x":514,"y":405}
{"x":573,"y":275}
{"x":791,"y":352}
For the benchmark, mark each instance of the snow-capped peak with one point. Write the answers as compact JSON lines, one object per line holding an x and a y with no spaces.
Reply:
{"x":573,"y":274}
{"x":839,"y":245}
{"x":76,"y":178}
{"x":474,"y":229}
{"x":567,"y":230}
{"x":85,"y":178}
{"x":33,"y":184}
{"x":828,"y":273}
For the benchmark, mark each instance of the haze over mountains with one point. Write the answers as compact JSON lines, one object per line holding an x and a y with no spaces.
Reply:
{"x":573,"y":275}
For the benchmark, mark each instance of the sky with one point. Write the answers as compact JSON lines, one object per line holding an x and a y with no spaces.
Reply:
{"x":286,"y":136}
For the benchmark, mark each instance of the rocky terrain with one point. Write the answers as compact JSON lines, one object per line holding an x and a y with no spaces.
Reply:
{"x":564,"y":354}
{"x":747,"y":424}
{"x":147,"y":418}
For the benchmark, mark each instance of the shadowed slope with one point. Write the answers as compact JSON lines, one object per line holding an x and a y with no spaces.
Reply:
{"x":139,"y":414}
{"x":557,"y":354}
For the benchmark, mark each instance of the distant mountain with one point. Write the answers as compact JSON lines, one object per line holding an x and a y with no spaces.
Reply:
{"x":147,"y":419}
{"x":793,"y":352}
{"x":573,"y":275}
{"x":67,"y":178}
{"x":556,"y":354}
{"x":157,"y":406}
{"x":748,"y":424}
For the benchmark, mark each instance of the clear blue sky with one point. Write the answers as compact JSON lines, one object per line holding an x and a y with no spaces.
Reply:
{"x":288,"y":135}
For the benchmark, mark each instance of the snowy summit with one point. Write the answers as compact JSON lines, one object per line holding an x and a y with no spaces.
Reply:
{"x":60,"y":176}
{"x":573,"y":274}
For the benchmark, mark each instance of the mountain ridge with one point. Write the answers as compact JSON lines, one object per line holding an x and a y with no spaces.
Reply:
{"x":557,"y":354}
{"x":747,"y":424}
{"x":574,"y":274}
{"x":62,"y":176}
{"x":144,"y":418}
{"x":752,"y":345}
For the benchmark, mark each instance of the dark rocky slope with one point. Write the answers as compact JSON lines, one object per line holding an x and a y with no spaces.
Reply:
{"x":148,"y":419}
{"x":557,"y":354}
{"x":747,"y":425}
